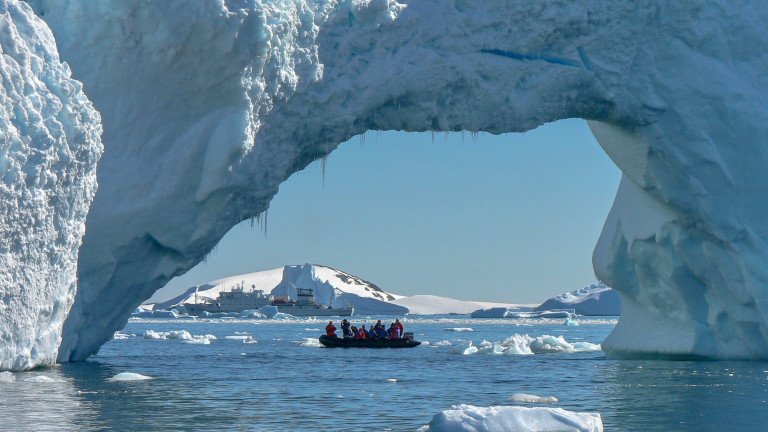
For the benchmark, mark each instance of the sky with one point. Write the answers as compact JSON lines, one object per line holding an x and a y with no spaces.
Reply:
{"x":507,"y":218}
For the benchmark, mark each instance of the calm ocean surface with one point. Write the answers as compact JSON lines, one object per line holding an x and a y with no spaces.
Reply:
{"x":284,"y":382}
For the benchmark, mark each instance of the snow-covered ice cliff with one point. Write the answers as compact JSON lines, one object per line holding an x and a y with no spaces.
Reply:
{"x":208,"y":105}
{"x":49,"y":145}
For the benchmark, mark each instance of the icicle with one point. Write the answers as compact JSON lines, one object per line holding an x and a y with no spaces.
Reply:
{"x":323,"y":163}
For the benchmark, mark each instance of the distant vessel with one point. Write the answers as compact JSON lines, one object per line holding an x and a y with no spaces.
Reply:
{"x":305,"y":305}
{"x":239,"y":300}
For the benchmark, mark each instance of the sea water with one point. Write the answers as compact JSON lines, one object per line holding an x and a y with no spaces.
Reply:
{"x":264,"y":375}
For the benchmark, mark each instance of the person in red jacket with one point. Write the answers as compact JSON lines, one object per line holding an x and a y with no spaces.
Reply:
{"x":361,"y":333}
{"x":330,"y":329}
{"x":400,"y":326}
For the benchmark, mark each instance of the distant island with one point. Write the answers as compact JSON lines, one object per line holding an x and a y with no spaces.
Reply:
{"x":336,"y":289}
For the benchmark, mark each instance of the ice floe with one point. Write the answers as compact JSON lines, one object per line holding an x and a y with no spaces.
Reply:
{"x":527,"y":398}
{"x":469,"y":418}
{"x":128,"y":376}
{"x":522,"y":345}
{"x":182,"y":335}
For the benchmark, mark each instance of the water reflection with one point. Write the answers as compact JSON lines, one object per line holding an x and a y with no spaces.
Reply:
{"x":690,"y":396}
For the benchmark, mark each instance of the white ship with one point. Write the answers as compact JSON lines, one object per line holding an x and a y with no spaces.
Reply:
{"x":305,"y":306}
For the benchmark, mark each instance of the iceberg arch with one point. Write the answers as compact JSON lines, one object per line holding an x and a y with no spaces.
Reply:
{"x":208,"y":106}
{"x":49,"y":145}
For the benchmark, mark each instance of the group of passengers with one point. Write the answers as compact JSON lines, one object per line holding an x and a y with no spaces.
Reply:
{"x":375,"y":331}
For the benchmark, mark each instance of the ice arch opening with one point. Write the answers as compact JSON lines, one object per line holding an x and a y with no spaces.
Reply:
{"x":208,"y":106}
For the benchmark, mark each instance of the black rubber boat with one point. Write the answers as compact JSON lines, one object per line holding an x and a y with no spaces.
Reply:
{"x":337,"y":342}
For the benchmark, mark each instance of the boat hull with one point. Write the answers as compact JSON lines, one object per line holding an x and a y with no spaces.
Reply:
{"x":336,"y":342}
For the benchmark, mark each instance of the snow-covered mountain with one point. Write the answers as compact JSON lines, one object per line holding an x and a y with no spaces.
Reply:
{"x":331,"y":287}
{"x":597,"y":299}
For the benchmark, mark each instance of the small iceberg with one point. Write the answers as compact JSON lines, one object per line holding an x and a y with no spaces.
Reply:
{"x":128,"y":376}
{"x":459,"y":329}
{"x":468,"y":418}
{"x":526,"y":398}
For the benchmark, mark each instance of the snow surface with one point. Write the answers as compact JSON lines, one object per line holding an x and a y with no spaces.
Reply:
{"x":471,"y":418}
{"x":208,"y":106}
{"x":595,"y":300}
{"x":49,"y":145}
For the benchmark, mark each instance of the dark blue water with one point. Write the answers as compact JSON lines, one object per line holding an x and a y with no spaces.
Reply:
{"x":280,"y":383}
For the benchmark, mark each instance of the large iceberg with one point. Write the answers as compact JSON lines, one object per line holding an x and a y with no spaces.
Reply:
{"x":49,"y":145}
{"x":208,"y":106}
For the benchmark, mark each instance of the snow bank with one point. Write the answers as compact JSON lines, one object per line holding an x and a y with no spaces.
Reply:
{"x":128,"y":377}
{"x":595,"y":300}
{"x":512,"y":418}
{"x":49,"y":145}
{"x":524,"y":345}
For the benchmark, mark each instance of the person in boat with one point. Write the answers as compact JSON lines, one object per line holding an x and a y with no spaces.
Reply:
{"x":392,"y":331}
{"x":379,"y":325}
{"x":400,"y":326}
{"x":372,"y":333}
{"x":383,"y":333}
{"x":345,"y":330}
{"x":330,"y":329}
{"x":361,"y":333}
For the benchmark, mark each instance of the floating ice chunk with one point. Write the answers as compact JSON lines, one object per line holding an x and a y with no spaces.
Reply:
{"x":442,"y":343}
{"x":7,"y":377}
{"x":459,"y":329}
{"x":238,"y":337}
{"x":552,"y":344}
{"x":525,"y":345}
{"x":570,"y":322}
{"x":464,"y":348}
{"x":198,"y":341}
{"x":182,"y":335}
{"x":283,"y":316}
{"x":392,"y":380}
{"x":41,"y":379}
{"x":241,"y":333}
{"x":526,"y":398}
{"x":309,"y":342}
{"x":120,"y":335}
{"x":512,"y":418}
{"x":128,"y":376}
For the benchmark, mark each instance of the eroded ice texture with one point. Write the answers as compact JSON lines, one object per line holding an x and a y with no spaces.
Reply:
{"x":49,"y":145}
{"x":209,"y":105}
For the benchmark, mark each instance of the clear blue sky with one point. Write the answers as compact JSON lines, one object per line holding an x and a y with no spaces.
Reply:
{"x":509,"y":218}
